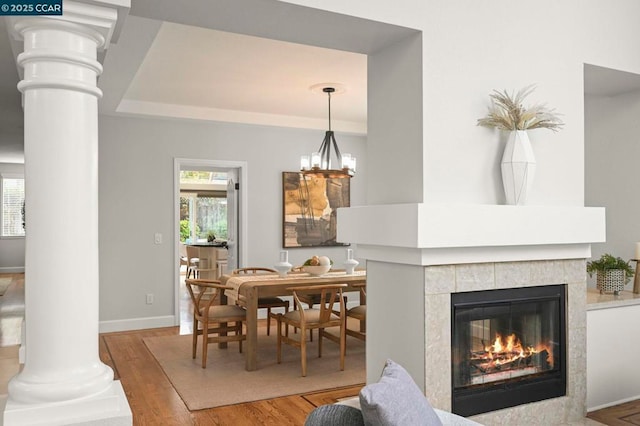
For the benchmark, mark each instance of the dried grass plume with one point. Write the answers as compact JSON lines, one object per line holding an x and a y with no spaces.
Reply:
{"x":507,"y":113}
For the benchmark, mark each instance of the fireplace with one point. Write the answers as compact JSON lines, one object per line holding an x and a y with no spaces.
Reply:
{"x":508,"y":347}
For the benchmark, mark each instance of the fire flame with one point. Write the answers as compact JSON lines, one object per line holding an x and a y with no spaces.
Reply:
{"x":504,"y":351}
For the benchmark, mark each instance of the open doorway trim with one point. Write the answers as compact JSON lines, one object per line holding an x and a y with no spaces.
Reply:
{"x":181,"y":163}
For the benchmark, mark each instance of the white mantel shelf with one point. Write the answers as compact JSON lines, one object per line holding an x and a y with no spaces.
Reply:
{"x":431,"y":234}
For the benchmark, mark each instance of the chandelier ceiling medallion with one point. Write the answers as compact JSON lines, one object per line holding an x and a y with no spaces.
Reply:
{"x":320,"y":162}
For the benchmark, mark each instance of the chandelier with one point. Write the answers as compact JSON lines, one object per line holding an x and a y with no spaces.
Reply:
{"x":319,"y":163}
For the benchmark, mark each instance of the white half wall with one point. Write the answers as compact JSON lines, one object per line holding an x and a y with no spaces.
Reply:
{"x":612,"y":348}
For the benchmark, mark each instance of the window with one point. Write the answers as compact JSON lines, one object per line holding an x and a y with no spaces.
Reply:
{"x":12,"y":213}
{"x":203,"y":205}
{"x":207,"y":211}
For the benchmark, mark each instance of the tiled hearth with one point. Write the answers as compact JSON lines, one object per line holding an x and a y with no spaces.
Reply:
{"x":441,"y":281}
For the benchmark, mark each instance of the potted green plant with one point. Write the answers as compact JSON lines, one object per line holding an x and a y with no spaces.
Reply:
{"x":210,"y":236}
{"x":612,"y":273}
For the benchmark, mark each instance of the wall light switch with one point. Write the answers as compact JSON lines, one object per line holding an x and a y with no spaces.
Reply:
{"x":158,"y":238}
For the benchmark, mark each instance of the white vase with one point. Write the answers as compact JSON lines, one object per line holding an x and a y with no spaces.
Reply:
{"x":518,"y":168}
{"x":350,"y":264}
{"x":283,"y":267}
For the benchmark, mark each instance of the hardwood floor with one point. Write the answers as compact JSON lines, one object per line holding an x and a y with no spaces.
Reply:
{"x":152,"y":398}
{"x":619,"y":415}
{"x":154,"y":401}
{"x":12,"y":310}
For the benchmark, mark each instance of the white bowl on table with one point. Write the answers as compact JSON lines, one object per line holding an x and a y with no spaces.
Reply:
{"x":317,"y":269}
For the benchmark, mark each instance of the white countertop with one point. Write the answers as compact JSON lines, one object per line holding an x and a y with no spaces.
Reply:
{"x":595,"y":300}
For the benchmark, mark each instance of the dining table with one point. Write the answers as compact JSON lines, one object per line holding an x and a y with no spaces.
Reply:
{"x":252,"y":287}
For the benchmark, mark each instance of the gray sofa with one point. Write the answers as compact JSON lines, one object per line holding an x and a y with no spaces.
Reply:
{"x":395,"y":400}
{"x":348,"y":413}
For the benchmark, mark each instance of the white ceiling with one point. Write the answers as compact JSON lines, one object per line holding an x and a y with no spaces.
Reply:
{"x":197,"y":73}
{"x":202,"y":73}
{"x":176,"y":70}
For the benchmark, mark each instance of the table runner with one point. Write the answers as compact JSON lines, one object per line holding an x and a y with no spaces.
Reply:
{"x":236,"y":281}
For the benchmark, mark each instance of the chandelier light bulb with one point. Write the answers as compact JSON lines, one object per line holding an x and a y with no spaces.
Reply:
{"x":346,"y":160}
{"x":315,"y":160}
{"x":305,"y":162}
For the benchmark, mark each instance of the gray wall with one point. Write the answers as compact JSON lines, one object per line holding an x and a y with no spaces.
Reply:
{"x":136,"y":201}
{"x":612,"y":150}
{"x":11,"y":248}
{"x":394,"y":109}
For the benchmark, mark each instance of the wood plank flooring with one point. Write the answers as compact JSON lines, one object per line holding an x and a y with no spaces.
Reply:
{"x":154,"y":401}
{"x":619,"y":415}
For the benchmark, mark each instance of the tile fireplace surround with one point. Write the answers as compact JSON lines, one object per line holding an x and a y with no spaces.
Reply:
{"x":441,"y":281}
{"x":438,"y":250}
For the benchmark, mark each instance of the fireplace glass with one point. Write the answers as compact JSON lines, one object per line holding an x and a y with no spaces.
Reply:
{"x":508,"y":347}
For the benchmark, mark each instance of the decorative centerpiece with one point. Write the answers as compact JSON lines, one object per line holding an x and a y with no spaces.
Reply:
{"x":612,"y":273}
{"x":350,"y":264}
{"x":283,"y":267}
{"x":518,"y":162}
{"x":317,"y":265}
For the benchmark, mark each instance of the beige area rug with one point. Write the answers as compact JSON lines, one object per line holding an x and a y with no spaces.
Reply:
{"x":226,"y":382}
{"x":4,"y":285}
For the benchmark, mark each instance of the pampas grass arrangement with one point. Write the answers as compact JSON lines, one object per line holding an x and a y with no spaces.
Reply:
{"x":507,"y":113}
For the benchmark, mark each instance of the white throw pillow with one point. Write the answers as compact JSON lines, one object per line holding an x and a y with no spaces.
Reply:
{"x":396,"y":400}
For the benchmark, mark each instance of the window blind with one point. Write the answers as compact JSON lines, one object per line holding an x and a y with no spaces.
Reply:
{"x":12,"y":204}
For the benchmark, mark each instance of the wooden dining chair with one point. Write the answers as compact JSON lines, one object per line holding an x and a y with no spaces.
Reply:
{"x":311,"y":318}
{"x":193,"y":262}
{"x":211,"y":320}
{"x":311,"y":300}
{"x":359,"y":313}
{"x":264,"y":302}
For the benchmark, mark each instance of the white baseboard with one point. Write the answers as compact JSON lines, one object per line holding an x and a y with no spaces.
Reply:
{"x":612,"y":403}
{"x":137,"y":323}
{"x":164,"y":321}
{"x":11,"y":269}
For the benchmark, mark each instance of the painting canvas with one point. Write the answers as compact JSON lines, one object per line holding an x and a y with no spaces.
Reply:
{"x":310,"y":209}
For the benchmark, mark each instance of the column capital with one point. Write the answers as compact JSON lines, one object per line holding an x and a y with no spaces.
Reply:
{"x":102,"y":20}
{"x":66,"y":51}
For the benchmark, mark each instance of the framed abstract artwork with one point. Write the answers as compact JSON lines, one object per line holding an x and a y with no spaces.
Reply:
{"x":310,"y":206}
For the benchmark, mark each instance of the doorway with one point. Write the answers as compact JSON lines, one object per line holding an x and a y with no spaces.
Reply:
{"x":209,"y":205}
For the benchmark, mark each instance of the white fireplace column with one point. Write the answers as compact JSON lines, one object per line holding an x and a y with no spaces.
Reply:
{"x":63,"y":379}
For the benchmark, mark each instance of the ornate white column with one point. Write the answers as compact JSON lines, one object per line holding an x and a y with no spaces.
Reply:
{"x":63,"y":379}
